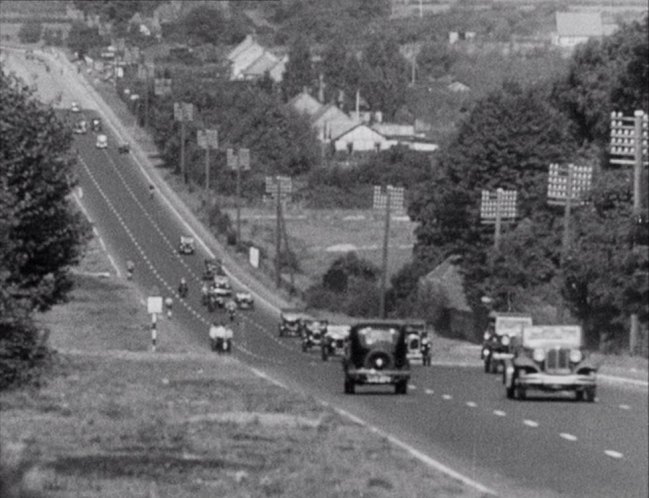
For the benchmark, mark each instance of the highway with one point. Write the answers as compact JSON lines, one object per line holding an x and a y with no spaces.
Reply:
{"x":452,"y":418}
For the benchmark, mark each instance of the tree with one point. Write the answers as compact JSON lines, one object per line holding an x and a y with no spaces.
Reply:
{"x":385,"y":75}
{"x":30,"y":32}
{"x":36,"y":170}
{"x":299,"y":71}
{"x":631,"y":91}
{"x":603,"y":277}
{"x":82,"y":38}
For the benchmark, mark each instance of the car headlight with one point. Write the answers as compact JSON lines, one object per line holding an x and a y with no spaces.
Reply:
{"x":575,"y":356}
{"x":486,"y":336}
{"x":538,"y":355}
{"x":504,"y":340}
{"x":485,"y":352}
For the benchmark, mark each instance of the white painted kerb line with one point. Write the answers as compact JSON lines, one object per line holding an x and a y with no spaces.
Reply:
{"x":422,"y":457}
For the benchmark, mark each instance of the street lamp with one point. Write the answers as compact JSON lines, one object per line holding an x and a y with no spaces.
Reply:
{"x":183,"y":112}
{"x":629,"y":137}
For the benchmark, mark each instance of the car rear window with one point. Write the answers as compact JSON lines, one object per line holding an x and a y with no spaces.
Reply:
{"x":371,"y":335}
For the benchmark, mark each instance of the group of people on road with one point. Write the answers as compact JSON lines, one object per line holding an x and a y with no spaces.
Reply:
{"x":220,"y":335}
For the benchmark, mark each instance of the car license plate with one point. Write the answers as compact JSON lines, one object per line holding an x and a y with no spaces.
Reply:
{"x":378,"y":379}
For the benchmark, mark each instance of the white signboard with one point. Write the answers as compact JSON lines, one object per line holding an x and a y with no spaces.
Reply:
{"x":154,"y":304}
{"x":511,"y":325}
{"x":539,"y":336}
{"x":254,"y":257}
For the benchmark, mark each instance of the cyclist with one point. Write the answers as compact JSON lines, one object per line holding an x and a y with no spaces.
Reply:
{"x":183,"y":288}
{"x":130,"y":268}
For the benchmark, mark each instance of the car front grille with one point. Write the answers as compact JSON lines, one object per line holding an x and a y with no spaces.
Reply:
{"x":557,"y":361}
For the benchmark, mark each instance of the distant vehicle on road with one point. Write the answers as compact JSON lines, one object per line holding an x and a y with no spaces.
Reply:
{"x":333,"y":343}
{"x":123,"y":148}
{"x":102,"y":142}
{"x":312,"y":331}
{"x":244,"y":300}
{"x":289,"y":322}
{"x":377,"y":354}
{"x":74,"y":107}
{"x":497,"y":340}
{"x":550,"y":358}
{"x":187,"y":245}
{"x":95,"y":125}
{"x":80,"y":127}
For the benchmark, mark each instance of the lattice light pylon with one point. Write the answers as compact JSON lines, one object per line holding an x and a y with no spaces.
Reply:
{"x":560,"y":175}
{"x":625,"y":136}
{"x":380,"y":199}
{"x":500,"y":204}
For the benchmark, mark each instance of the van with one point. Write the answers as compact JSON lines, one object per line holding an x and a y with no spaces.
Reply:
{"x":102,"y":142}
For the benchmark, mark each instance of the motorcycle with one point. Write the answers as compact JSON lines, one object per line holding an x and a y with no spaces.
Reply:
{"x":222,"y":345}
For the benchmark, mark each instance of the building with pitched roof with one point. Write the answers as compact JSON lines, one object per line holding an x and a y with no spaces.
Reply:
{"x":574,"y":28}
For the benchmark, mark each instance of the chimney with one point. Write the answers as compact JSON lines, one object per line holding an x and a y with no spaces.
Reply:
{"x":321,"y":86}
{"x":358,"y":105}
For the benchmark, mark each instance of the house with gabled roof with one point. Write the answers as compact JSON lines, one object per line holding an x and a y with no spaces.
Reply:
{"x":329,"y":121}
{"x":305,"y":103}
{"x":359,"y":138}
{"x":574,"y":28}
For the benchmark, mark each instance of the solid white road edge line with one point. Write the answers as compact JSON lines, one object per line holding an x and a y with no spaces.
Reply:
{"x":623,"y":380}
{"x":422,"y":457}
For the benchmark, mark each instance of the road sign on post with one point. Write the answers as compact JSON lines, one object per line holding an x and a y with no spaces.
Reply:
{"x":390,"y":202}
{"x":183,"y":112}
{"x":630,"y":146}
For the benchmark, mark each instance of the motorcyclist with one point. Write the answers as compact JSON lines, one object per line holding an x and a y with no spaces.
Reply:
{"x":231,"y":308}
{"x":183,"y":288}
{"x":168,"y":305}
{"x":130,"y":268}
{"x":425,"y":349}
{"x":205,"y":293}
{"x":227,"y":340}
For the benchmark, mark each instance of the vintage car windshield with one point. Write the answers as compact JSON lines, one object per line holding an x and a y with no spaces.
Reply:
{"x":370,"y":335}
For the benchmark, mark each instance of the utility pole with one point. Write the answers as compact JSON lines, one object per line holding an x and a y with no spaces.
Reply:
{"x":567,"y":183}
{"x":629,"y":145}
{"x":278,"y":239}
{"x":183,"y":112}
{"x":389,"y":202}
{"x":238,"y":161}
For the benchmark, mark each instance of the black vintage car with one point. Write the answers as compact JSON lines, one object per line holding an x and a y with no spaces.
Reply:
{"x":312,"y":332}
{"x":333,"y":343}
{"x":289,"y":322}
{"x":377,"y":354}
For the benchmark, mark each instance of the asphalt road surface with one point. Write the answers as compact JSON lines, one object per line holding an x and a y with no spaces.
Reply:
{"x":454,"y":416}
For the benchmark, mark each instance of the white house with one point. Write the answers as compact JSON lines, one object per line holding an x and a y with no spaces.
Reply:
{"x":360,"y":138}
{"x":243,"y":55}
{"x":574,"y":28}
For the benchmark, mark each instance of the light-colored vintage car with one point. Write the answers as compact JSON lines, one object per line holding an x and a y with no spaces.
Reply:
{"x":550,"y":358}
{"x":244,"y":300}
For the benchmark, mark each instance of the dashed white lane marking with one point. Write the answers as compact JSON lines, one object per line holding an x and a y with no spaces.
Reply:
{"x":471,"y":404}
{"x":568,"y":437}
{"x":429,"y":391}
{"x":530,"y":423}
{"x":412,"y":386}
{"x":447,"y":396}
{"x":499,"y":413}
{"x":613,"y":454}
{"x":625,"y":407}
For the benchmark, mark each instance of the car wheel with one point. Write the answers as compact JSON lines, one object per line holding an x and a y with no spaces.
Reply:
{"x":349,"y":386}
{"x":487,"y":364}
{"x":281,"y":333}
{"x":304,"y":347}
{"x":521,"y":393}
{"x":510,"y":392}
{"x":590,"y":394}
{"x":325,"y":356}
{"x":401,"y":387}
